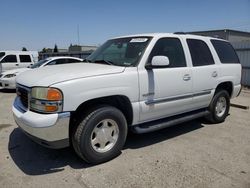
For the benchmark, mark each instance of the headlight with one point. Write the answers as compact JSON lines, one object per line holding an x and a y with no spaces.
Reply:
{"x":46,"y":100}
{"x":9,"y":75}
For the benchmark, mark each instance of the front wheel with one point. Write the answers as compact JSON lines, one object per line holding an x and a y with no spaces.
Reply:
{"x":219,"y":107}
{"x":100,"y":135}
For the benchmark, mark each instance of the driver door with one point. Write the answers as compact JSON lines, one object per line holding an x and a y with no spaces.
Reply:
{"x":9,"y":62}
{"x":165,"y":91}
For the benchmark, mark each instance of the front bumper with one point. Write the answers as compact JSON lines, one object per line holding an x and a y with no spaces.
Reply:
{"x":49,"y":130}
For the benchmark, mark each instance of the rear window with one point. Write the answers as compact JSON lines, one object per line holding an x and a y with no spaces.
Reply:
{"x":25,"y":58}
{"x":225,"y":51}
{"x":200,"y":53}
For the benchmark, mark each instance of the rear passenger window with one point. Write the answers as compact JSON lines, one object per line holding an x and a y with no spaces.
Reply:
{"x":57,"y":62}
{"x":225,"y":51}
{"x":72,"y":60}
{"x":172,"y":48}
{"x":61,"y":61}
{"x":25,"y":58}
{"x":200,"y":53}
{"x":9,"y":59}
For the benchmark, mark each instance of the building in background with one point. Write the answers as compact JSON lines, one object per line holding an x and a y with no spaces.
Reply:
{"x":77,"y":48}
{"x":226,"y":34}
{"x":73,"y":50}
{"x":241,"y":43}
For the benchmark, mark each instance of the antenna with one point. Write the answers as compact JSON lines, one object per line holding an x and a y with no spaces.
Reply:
{"x":78,"y":37}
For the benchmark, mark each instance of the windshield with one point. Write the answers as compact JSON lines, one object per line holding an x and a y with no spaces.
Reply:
{"x":120,"y":52}
{"x":2,"y":54}
{"x":39,"y":63}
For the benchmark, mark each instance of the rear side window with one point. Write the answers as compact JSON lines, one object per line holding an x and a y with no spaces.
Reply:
{"x":172,"y":48}
{"x":25,"y":58}
{"x":200,"y":53}
{"x":9,"y":59}
{"x":57,"y":62}
{"x":72,"y":60}
{"x":225,"y":51}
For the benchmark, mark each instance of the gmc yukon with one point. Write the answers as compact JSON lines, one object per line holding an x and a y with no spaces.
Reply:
{"x":140,"y":82}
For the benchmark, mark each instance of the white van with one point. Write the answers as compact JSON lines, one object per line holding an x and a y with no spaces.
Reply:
{"x":17,"y":59}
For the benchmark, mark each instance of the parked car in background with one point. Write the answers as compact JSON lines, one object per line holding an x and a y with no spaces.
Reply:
{"x":8,"y":78}
{"x":17,"y":59}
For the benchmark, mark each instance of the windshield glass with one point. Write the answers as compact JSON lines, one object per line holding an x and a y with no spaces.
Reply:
{"x":2,"y":54}
{"x":120,"y":52}
{"x":39,"y":63}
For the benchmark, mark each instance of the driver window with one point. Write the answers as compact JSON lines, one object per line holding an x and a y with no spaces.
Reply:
{"x":9,"y":59}
{"x":172,"y":48}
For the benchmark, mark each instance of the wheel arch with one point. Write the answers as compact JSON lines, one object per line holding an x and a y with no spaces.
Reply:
{"x":120,"y":102}
{"x":228,"y":86}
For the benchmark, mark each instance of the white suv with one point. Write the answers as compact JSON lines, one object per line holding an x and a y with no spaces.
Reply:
{"x":141,"y":82}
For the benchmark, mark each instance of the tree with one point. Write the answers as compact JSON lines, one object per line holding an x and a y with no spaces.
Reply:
{"x":55,"y":48}
{"x":44,"y":50}
{"x":24,"y":49}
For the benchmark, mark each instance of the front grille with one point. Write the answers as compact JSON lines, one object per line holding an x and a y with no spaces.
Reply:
{"x":23,"y":94}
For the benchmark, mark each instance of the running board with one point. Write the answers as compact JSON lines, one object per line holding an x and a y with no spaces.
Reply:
{"x":167,"y":122}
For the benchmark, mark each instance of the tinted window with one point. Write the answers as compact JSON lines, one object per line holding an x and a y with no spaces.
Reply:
{"x":56,"y":62}
{"x":200,"y":52}
{"x":2,"y":54}
{"x":172,"y":48}
{"x":9,"y":59}
{"x":60,"y":61}
{"x":72,"y":60}
{"x":225,"y":51}
{"x":25,"y":58}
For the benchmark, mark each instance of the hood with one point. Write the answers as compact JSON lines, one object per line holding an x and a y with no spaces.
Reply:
{"x":49,"y":75}
{"x":15,"y":71}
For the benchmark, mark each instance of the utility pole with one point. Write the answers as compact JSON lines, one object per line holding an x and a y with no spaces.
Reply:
{"x":78,"y":36}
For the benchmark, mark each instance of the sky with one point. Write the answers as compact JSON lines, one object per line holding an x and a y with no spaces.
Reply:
{"x":36,"y":24}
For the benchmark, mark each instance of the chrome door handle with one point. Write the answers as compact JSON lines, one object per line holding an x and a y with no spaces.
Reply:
{"x":186,"y":77}
{"x":214,"y":74}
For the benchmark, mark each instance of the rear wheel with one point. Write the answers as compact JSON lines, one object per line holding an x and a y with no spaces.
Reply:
{"x":100,"y":135}
{"x":219,"y":107}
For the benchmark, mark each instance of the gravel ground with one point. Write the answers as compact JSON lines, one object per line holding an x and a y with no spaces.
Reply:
{"x":192,"y":154}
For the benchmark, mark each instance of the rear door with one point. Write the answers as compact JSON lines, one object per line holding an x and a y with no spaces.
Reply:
{"x":205,"y":72}
{"x":25,"y":61}
{"x":9,"y":62}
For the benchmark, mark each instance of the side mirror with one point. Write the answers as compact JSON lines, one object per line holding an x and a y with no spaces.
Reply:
{"x":158,"y":62}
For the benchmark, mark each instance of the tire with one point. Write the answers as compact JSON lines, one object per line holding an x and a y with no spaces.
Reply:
{"x":100,"y":135}
{"x":219,"y":107}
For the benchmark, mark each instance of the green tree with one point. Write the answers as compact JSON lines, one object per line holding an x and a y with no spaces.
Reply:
{"x":55,"y":49}
{"x":44,"y":50}
{"x":24,"y":49}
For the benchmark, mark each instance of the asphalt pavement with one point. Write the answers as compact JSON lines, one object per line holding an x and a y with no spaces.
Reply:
{"x":192,"y":154}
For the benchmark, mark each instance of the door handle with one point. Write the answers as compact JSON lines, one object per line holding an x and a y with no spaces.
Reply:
{"x":17,"y":64}
{"x":214,"y":74}
{"x":186,"y":77}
